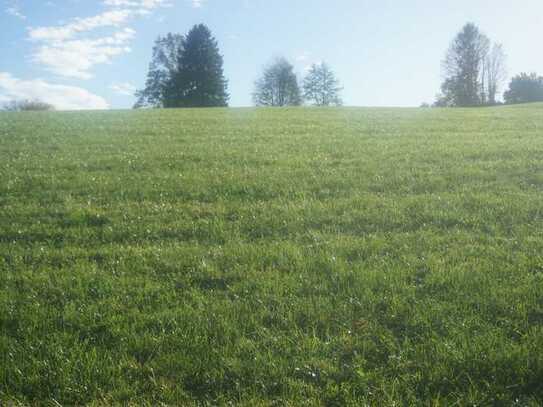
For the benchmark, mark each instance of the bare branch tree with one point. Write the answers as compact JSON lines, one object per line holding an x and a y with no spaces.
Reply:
{"x":496,"y":72}
{"x":321,"y":86}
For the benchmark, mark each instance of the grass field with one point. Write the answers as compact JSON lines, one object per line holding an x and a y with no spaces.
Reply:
{"x":272,"y":257}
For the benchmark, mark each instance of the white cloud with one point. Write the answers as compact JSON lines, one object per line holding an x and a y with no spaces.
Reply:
{"x":125,"y":88}
{"x":61,"y":96}
{"x":15,"y":12}
{"x":68,"y":50}
{"x":141,"y":7}
{"x":146,"y":4}
{"x":197,"y":3}
{"x":61,"y":33}
{"x":75,"y":58}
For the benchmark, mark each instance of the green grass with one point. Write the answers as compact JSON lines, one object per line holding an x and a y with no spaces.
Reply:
{"x":272,"y":257}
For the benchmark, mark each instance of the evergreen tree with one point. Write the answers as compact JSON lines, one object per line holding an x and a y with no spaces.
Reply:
{"x":199,"y":80}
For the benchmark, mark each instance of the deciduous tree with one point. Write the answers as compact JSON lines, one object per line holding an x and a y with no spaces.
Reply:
{"x":495,"y":72}
{"x":278,"y":86}
{"x":463,"y":66}
{"x":321,"y":87}
{"x":165,"y":63}
{"x":525,"y":88}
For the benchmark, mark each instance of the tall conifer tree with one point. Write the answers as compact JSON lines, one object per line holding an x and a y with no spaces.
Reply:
{"x":199,"y":81}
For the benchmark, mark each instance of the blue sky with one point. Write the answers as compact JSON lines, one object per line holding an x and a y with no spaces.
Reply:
{"x":94,"y":53}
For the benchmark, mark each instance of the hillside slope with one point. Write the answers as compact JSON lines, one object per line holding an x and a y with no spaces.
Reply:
{"x":317,"y":256}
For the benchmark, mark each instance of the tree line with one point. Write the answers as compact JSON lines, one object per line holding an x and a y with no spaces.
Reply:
{"x":187,"y":71}
{"x":475,"y":70}
{"x":27,"y":105}
{"x":279,"y":86}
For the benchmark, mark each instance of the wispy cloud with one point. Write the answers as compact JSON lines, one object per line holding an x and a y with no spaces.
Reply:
{"x":303,"y":57}
{"x":75,"y":58}
{"x":306,"y":60}
{"x":61,"y":33}
{"x":125,"y":88}
{"x":13,"y":8}
{"x":61,"y":96}
{"x":197,"y":3}
{"x":146,"y":4}
{"x":69,"y":49}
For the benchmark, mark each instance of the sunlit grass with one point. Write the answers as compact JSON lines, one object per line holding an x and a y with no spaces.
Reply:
{"x":285,"y":257}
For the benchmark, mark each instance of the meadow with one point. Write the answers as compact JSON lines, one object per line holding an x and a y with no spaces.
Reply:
{"x":272,"y":257}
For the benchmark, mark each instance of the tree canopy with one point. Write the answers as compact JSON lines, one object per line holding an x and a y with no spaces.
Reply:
{"x":199,"y":81}
{"x":321,"y":87}
{"x":278,"y":86}
{"x":474,"y":70}
{"x":525,"y":88}
{"x":165,"y":63}
{"x":185,"y":72}
{"x":462,"y":66}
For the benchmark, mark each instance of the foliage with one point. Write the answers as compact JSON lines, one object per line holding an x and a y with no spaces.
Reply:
{"x":525,"y":88}
{"x":28,"y":105}
{"x":278,"y":86}
{"x":448,"y":95}
{"x":165,"y":63}
{"x":185,"y":72}
{"x":257,"y":257}
{"x":463,"y":64}
{"x":474,"y":71}
{"x":199,"y":81}
{"x":321,"y":87}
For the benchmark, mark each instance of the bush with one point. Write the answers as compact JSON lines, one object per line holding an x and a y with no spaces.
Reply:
{"x":28,"y":105}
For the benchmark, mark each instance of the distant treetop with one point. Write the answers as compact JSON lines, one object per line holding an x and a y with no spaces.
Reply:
{"x":165,"y":63}
{"x":321,"y":88}
{"x":278,"y":86}
{"x":28,"y":105}
{"x":474,"y":70}
{"x":525,"y":88}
